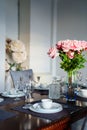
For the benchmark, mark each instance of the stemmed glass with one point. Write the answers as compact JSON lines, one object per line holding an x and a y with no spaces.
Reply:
{"x":79,"y":77}
{"x":17,"y":87}
{"x":86,"y":81}
{"x":28,"y":89}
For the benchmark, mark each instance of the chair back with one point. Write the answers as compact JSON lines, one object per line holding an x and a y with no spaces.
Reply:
{"x":21,"y":76}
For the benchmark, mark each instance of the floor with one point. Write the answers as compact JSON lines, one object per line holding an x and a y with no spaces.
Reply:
{"x":79,"y":125}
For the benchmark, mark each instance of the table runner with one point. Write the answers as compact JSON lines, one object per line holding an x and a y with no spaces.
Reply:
{"x":5,"y":115}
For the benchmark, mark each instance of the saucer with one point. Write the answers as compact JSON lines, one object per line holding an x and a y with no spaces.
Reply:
{"x":18,"y":94}
{"x":37,"y":107}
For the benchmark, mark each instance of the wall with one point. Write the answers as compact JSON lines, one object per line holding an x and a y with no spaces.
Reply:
{"x":24,"y":26}
{"x":8,"y":28}
{"x":2,"y":44}
{"x":11,"y":19}
{"x":41,"y":37}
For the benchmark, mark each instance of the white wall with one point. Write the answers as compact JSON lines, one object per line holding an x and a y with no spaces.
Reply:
{"x":72,"y":19}
{"x":11,"y":18}
{"x":2,"y":44}
{"x":8,"y":28}
{"x":24,"y":26}
{"x":40,"y":35}
{"x":41,"y":39}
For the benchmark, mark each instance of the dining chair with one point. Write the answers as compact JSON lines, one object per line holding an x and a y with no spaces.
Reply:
{"x":62,"y":124}
{"x":84,"y":125}
{"x":21,"y":77}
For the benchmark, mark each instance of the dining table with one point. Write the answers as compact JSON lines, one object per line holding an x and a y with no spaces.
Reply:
{"x":14,"y":117}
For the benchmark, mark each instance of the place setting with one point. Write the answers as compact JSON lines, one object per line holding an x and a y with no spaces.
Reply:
{"x":12,"y":93}
{"x":44,"y":108}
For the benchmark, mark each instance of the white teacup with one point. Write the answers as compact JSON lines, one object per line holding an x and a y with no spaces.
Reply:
{"x":12,"y":91}
{"x":46,"y":103}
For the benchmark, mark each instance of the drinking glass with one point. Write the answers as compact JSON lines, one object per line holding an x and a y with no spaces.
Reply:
{"x":28,"y":89}
{"x":17,"y":87}
{"x":79,"y":78}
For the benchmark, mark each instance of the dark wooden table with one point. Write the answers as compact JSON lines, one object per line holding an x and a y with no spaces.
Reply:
{"x":24,"y":121}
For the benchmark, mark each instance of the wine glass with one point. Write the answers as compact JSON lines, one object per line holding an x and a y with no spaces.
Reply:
{"x":79,"y":78}
{"x":86,"y":81}
{"x":31,"y":87}
{"x":17,"y":87}
{"x":28,"y":89}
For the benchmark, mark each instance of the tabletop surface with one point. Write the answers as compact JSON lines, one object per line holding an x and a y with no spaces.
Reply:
{"x":18,"y":119}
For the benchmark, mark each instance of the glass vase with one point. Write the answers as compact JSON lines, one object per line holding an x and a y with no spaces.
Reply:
{"x":71,"y":96}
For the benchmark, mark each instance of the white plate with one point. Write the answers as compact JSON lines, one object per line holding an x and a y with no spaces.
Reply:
{"x":18,"y":94}
{"x":1,"y":99}
{"x":40,"y":88}
{"x":37,"y":107}
{"x":81,"y":95}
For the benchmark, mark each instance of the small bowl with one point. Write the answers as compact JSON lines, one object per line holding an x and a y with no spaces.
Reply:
{"x":83,"y":92}
{"x":46,"y":103}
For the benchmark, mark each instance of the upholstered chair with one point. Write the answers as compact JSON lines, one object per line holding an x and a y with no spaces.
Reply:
{"x":22,"y":76}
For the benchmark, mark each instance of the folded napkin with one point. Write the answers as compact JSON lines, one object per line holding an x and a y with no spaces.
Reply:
{"x":5,"y":115}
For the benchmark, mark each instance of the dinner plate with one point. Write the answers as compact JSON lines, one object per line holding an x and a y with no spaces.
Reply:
{"x":81,"y":95}
{"x":18,"y":94}
{"x":1,"y":99}
{"x":41,"y":88}
{"x":37,"y":107}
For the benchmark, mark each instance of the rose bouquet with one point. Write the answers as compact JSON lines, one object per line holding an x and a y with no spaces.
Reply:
{"x":70,"y":53}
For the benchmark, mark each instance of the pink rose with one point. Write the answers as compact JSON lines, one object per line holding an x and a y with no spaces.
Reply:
{"x":70,"y":54}
{"x":52,"y":52}
{"x":84,"y":44}
{"x":66,"y":45}
{"x":59,"y":45}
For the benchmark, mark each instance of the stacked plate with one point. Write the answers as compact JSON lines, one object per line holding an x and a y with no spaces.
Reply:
{"x":13,"y":95}
{"x":37,"y":107}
